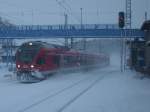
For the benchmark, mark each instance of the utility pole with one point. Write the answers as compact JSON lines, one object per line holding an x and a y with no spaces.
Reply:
{"x":145,"y":15}
{"x":84,"y":40}
{"x":66,"y":27}
{"x":97,"y":16}
{"x":147,"y":9}
{"x":81,"y":9}
{"x":32,"y":17}
{"x":72,"y":42}
{"x":99,"y":46}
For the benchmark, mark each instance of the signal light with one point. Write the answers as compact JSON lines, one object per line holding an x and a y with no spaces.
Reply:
{"x":121,"y":20}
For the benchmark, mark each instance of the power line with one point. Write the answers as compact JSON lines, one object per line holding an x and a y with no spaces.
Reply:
{"x":71,"y":12}
{"x":67,"y":10}
{"x":12,"y":17}
{"x":64,"y":1}
{"x":18,"y":13}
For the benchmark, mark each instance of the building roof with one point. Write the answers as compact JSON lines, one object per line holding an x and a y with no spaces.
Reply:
{"x":146,"y":25}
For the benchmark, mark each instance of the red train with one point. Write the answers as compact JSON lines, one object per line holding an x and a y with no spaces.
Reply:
{"x":36,"y":60}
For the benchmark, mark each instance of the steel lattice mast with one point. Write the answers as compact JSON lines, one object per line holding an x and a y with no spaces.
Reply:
{"x":128,"y":25}
{"x":8,"y":47}
{"x":128,"y":14}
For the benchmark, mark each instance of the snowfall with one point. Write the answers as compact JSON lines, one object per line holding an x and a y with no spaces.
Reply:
{"x":100,"y":90}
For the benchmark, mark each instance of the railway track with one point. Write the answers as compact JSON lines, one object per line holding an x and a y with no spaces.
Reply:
{"x":90,"y":78}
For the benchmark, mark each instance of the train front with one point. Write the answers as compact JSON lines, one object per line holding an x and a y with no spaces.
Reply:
{"x":25,"y":62}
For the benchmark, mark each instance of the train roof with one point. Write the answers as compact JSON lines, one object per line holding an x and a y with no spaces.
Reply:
{"x":36,"y":45}
{"x":40,"y":44}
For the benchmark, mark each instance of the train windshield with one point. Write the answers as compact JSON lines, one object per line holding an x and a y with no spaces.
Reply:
{"x":26,"y":54}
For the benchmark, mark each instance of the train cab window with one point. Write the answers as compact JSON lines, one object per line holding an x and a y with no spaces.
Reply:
{"x":41,"y":61}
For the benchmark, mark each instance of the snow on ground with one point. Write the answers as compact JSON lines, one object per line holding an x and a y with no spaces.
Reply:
{"x":117,"y":93}
{"x":101,"y":90}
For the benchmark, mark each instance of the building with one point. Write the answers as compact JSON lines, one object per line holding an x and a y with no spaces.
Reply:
{"x":146,"y":29}
{"x":140,"y":51}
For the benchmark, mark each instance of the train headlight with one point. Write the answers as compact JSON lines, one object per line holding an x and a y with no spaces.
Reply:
{"x":32,"y":66}
{"x":18,"y":66}
{"x":30,"y":44}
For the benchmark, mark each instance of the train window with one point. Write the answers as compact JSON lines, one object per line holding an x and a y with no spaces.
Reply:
{"x":56,"y":60}
{"x":70,"y":59}
{"x":26,"y":56}
{"x":41,"y":61}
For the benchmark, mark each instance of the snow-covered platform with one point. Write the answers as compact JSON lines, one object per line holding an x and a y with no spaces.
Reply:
{"x":103,"y":90}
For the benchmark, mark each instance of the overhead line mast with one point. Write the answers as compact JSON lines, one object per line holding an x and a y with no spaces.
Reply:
{"x":62,"y":4}
{"x":128,"y":25}
{"x":128,"y":14}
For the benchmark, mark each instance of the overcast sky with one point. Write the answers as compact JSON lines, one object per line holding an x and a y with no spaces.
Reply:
{"x":52,"y":11}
